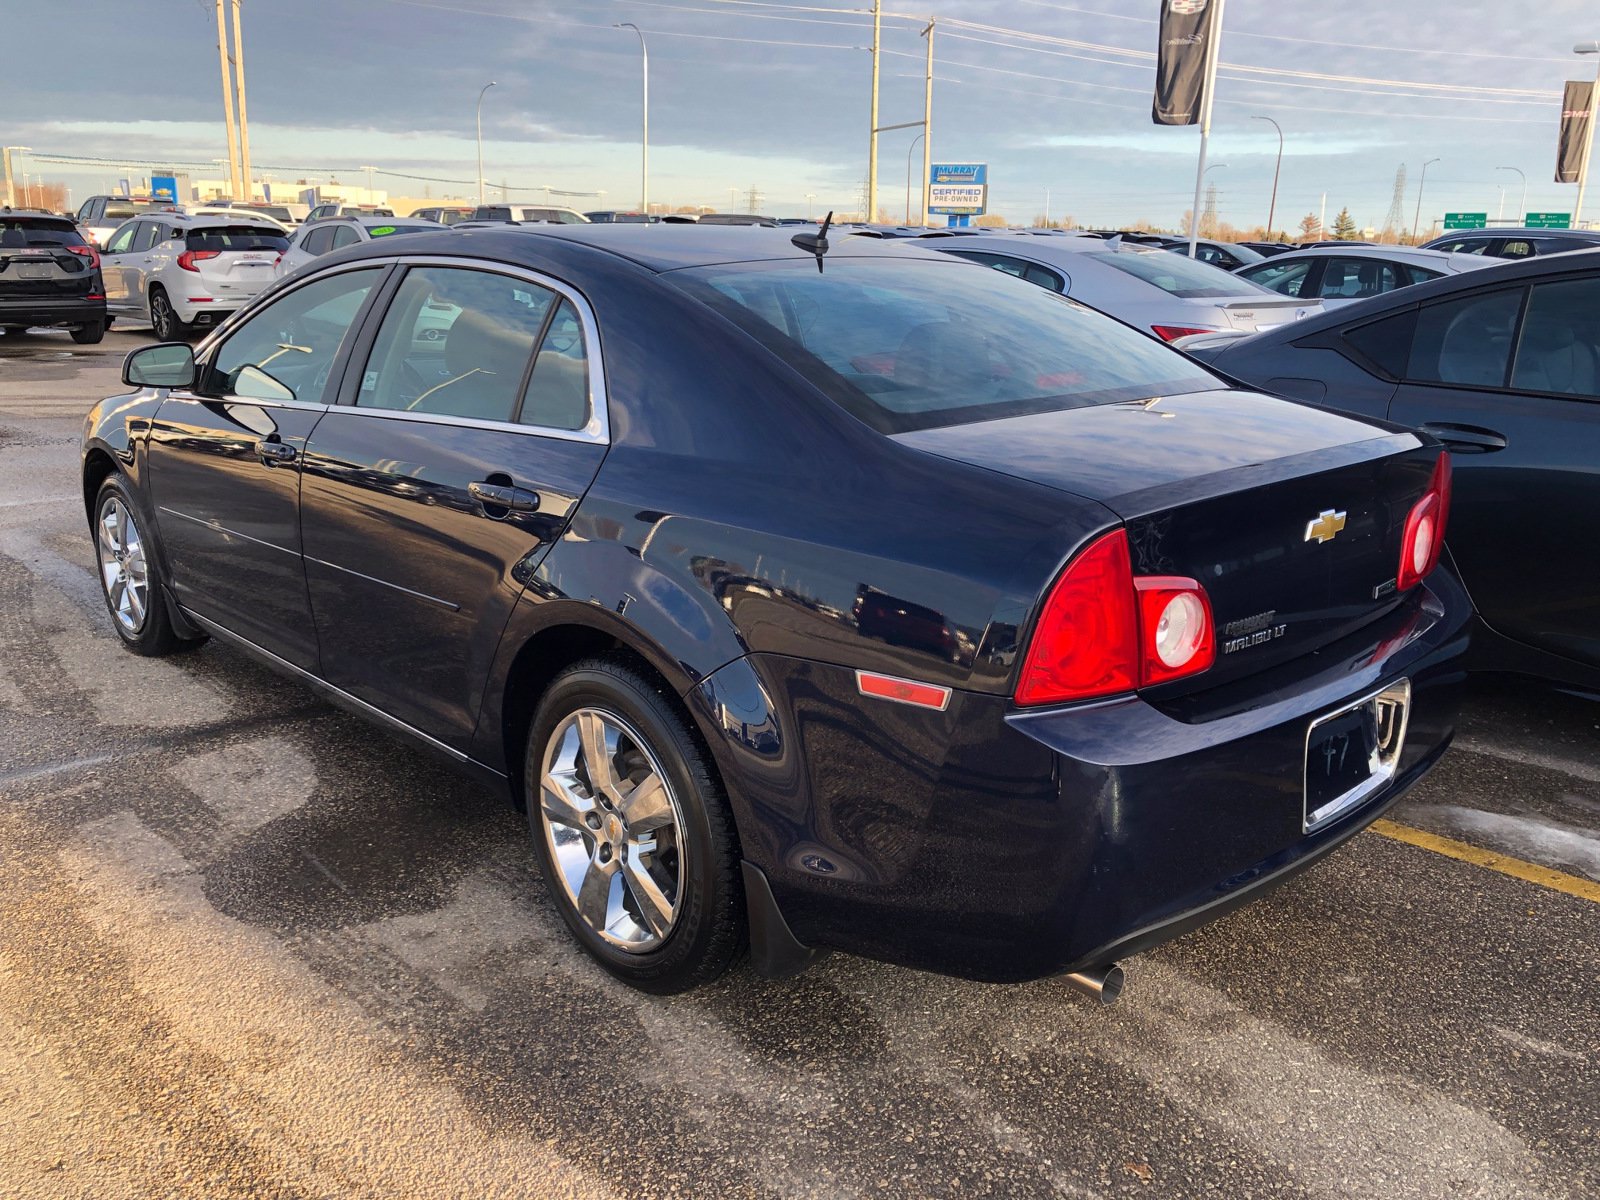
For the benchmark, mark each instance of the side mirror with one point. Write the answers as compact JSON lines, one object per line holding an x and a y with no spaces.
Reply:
{"x":168,"y":365}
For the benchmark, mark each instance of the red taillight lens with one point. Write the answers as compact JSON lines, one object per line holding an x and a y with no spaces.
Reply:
{"x":1103,"y":631}
{"x":88,"y":252}
{"x":1424,"y":536}
{"x":1171,"y":333}
{"x":188,"y":258}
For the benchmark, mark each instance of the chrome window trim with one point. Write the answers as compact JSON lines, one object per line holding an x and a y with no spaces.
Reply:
{"x":194,"y":397}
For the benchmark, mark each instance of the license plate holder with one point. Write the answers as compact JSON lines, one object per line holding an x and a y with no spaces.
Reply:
{"x":33,"y":271}
{"x":1353,"y":753}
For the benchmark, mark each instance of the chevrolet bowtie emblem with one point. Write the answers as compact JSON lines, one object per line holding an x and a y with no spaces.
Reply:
{"x":1326,"y":527}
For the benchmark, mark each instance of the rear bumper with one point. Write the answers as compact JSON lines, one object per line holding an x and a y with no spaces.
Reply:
{"x":34,"y":312}
{"x":1003,"y":845}
{"x":208,"y":312}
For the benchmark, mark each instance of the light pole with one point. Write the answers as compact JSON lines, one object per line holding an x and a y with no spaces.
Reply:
{"x":485,"y":88}
{"x":909,"y":149}
{"x":1272,"y":210}
{"x":1523,"y":211}
{"x":810,"y":198}
{"x":644,"y":177}
{"x":1417,"y":220}
{"x":1588,"y":141}
{"x":371,"y":196}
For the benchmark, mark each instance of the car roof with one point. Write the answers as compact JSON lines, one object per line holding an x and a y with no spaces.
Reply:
{"x":1363,"y":250}
{"x":33,"y":214}
{"x":1588,"y":235}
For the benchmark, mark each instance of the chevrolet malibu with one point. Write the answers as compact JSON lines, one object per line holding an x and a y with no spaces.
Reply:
{"x":805,"y":598}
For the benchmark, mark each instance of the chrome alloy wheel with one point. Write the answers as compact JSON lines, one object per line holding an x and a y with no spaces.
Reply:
{"x":123,"y":570}
{"x":613,"y":828}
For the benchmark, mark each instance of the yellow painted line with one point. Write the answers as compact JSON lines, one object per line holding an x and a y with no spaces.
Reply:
{"x":1556,"y":881}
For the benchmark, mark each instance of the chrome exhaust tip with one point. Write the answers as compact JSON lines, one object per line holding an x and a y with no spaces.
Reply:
{"x":1102,"y":983}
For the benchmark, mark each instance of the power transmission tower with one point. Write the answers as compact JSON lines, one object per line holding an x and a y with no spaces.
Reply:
{"x":753,"y":198}
{"x":1396,"y":219}
{"x":1208,"y":218}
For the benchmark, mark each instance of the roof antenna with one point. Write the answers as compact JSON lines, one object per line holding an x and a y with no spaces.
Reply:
{"x":817,"y":242}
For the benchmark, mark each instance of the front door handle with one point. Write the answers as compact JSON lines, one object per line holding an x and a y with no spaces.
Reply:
{"x":275,"y":453}
{"x":1470,"y":438}
{"x":503,"y":496}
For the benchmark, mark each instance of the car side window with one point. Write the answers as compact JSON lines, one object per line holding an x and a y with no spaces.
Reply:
{"x":557,"y":395}
{"x":1357,"y":278}
{"x":1286,"y":278}
{"x":1518,"y":248}
{"x":1559,"y":350}
{"x":1421,"y":274}
{"x":1045,"y":278}
{"x":344,"y":235}
{"x":1385,"y":343}
{"x":318,"y":239}
{"x":458,"y":342}
{"x":122,"y":240}
{"x":1466,"y":341}
{"x":85,"y":209}
{"x":144,"y":236}
{"x":286,"y":350}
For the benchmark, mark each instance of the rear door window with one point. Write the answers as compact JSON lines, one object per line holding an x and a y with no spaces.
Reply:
{"x":1358,"y":278}
{"x":144,"y":236}
{"x":1466,"y":341}
{"x":557,"y":395}
{"x":1559,"y":348}
{"x":344,"y":235}
{"x":1518,"y":248}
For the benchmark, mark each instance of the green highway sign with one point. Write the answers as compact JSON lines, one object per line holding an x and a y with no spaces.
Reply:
{"x":1466,"y":220}
{"x":1549,"y":221}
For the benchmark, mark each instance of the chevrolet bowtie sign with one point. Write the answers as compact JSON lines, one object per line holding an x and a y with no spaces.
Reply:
{"x":1326,"y":527}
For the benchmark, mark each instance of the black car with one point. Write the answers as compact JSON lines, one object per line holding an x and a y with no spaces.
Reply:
{"x":49,"y":276}
{"x":1503,"y":365}
{"x":806,"y":598}
{"x":1230,"y":256}
{"x":1269,"y":249}
{"x":1515,"y":243}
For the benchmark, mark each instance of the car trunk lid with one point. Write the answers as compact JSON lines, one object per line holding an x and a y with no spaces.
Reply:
{"x":235,"y":261}
{"x":36,"y":263}
{"x":1250,"y":316}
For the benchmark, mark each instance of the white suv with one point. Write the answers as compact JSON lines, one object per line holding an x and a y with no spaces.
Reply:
{"x":316,"y":238}
{"x":182,"y":273}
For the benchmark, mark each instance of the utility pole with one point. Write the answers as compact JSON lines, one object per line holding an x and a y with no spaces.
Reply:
{"x":1417,"y":220}
{"x":872,"y":143}
{"x":1272,"y":210}
{"x":927,"y":124}
{"x":1213,"y":52}
{"x":733,"y":198}
{"x":227,"y":101}
{"x":810,"y":199}
{"x":11,"y":187}
{"x":244,"y":121}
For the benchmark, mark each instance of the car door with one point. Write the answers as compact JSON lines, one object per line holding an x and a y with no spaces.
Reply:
{"x":115,"y":262}
{"x":225,"y":462}
{"x":1510,"y":379}
{"x":139,"y":263}
{"x":448,"y":470}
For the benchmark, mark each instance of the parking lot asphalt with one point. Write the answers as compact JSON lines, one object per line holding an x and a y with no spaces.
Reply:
{"x":252,"y":947}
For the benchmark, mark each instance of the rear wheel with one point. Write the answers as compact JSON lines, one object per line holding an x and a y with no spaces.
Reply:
{"x":130,"y":579}
{"x":164,"y":318}
{"x":90,"y":334}
{"x":633,"y":832}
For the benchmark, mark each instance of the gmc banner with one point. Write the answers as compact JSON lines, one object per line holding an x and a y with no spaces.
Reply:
{"x":1187,"y":27}
{"x":1575,"y":131}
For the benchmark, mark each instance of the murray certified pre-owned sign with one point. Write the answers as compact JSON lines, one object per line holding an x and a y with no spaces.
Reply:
{"x":958,"y":189}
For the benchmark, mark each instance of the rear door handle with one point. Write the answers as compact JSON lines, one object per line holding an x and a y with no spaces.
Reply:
{"x":273,"y":453}
{"x":1466,"y":437}
{"x":499,"y":495}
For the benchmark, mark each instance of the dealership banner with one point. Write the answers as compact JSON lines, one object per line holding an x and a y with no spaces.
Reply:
{"x":1575,"y":131}
{"x":1187,"y":27}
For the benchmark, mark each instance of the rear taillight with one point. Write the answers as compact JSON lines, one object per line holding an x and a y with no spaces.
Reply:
{"x":88,"y":252}
{"x":1424,"y":536}
{"x":1103,"y":631}
{"x":188,"y":258}
{"x":1171,"y":333}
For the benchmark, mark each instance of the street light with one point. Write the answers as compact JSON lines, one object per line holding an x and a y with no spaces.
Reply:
{"x":644,"y":175}
{"x":1588,"y":142}
{"x":1272,"y":211}
{"x":1417,"y":220}
{"x":371,"y":197}
{"x":909,"y":149}
{"x":1524,"y":209}
{"x":485,"y":88}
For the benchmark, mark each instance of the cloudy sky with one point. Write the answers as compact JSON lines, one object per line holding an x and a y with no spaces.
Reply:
{"x":774,"y":96}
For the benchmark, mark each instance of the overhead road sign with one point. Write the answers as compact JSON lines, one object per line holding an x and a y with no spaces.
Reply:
{"x":1465,"y":220}
{"x":1548,"y":221}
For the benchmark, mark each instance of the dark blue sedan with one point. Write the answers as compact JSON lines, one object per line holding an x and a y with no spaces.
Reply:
{"x":805,"y":598}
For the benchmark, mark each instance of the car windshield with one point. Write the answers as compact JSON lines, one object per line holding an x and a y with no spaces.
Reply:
{"x":236,"y":237}
{"x":23,"y":231}
{"x":1177,"y":274}
{"x":915,"y":345}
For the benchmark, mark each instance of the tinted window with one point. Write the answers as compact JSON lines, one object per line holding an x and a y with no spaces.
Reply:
{"x":286,"y":351}
{"x":1464,"y":246}
{"x":557,"y":396}
{"x":1045,"y":278}
{"x":913,"y":345}
{"x":144,"y":236}
{"x":1466,"y":341}
{"x":31,"y":231}
{"x":1358,"y":278}
{"x":1177,"y":274}
{"x":1387,"y":343}
{"x":1559,"y":350}
{"x":318,"y":240}
{"x":344,"y":235}
{"x":1000,"y":262}
{"x":1420,"y":274}
{"x":1287,"y":278}
{"x":236,"y":237}
{"x":1517,"y":248}
{"x":456,"y":341}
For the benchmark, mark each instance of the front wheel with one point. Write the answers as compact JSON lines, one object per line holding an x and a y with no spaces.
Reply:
{"x":164,"y":318}
{"x":130,"y":579}
{"x":633,"y":832}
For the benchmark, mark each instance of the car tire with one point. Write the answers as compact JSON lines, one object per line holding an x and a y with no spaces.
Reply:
{"x":164,"y":320}
{"x":90,"y":335}
{"x":131,"y":581}
{"x":664,"y":909}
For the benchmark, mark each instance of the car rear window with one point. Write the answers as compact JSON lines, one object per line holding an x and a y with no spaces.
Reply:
{"x":1178,"y":274}
{"x":122,"y":210}
{"x":236,"y":237}
{"x":276,"y":213}
{"x":915,"y":345}
{"x":36,"y":231}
